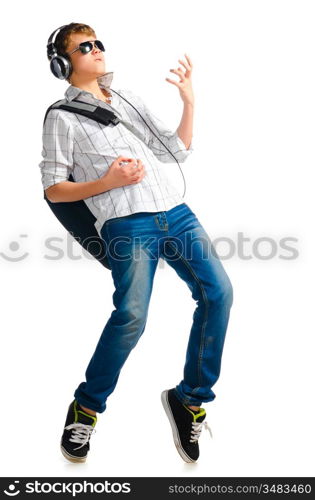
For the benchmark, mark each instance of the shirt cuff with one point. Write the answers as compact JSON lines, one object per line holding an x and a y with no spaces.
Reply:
{"x":182,"y":145}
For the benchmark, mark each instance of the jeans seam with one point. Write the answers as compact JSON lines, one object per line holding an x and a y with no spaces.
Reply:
{"x":108,"y":250}
{"x":184,"y":401}
{"x":201,"y":347}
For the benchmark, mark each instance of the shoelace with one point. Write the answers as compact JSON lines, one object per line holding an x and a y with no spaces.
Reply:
{"x":81,"y":433}
{"x":196,"y":430}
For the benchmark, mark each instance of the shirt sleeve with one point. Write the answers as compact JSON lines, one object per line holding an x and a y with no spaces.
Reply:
{"x":57,"y":152}
{"x":162,"y":133}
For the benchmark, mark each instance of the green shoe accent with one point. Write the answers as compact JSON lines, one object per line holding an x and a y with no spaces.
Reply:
{"x":76,"y":411}
{"x":196,"y":415}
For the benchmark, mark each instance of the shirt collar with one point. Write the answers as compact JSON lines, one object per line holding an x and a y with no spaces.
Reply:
{"x":104,"y":81}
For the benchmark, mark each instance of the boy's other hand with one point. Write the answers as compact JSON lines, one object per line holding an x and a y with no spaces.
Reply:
{"x":124,"y":171}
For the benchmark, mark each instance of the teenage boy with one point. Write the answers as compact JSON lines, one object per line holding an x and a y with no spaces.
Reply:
{"x":140,"y":217}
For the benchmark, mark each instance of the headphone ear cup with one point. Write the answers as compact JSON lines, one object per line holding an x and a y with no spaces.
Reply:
{"x":61,"y":67}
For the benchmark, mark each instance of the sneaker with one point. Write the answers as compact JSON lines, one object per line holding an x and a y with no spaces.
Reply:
{"x":78,"y":428}
{"x":186,"y":425}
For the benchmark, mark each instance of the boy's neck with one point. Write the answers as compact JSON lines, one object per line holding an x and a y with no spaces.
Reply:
{"x":94,"y":88}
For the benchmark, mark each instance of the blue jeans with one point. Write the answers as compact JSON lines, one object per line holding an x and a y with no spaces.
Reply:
{"x":134,"y":244}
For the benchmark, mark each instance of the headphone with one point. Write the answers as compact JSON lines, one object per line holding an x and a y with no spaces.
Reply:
{"x":60,"y":66}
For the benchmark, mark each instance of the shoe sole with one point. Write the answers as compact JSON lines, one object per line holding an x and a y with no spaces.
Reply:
{"x":71,"y":458}
{"x":176,"y":438}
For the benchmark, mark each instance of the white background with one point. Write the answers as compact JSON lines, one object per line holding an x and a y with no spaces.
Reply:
{"x":250,"y":173}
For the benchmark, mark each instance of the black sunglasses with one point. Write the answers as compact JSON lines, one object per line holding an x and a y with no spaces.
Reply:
{"x":86,"y":47}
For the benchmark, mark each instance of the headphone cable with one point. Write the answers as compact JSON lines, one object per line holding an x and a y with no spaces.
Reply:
{"x":156,"y":137}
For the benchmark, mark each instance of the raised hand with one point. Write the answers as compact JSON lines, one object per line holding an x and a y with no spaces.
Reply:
{"x":185,"y":83}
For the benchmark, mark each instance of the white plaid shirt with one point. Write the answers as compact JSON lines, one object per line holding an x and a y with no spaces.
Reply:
{"x":74,"y":144}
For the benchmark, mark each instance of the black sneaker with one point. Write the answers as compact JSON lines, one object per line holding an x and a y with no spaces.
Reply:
{"x":78,"y":428}
{"x":186,"y":425}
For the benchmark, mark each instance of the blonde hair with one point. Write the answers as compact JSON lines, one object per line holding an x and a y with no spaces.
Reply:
{"x":63,"y":38}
